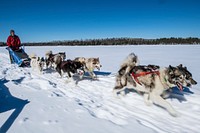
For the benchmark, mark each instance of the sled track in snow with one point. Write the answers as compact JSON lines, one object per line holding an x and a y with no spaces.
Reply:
{"x":97,"y":98}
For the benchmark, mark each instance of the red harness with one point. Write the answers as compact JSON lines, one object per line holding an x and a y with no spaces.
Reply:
{"x":136,"y":75}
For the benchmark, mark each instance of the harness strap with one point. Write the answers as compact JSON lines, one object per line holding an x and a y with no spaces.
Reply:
{"x":136,"y":75}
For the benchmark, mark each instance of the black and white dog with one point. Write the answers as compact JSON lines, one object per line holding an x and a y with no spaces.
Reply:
{"x":70,"y":67}
{"x":152,"y":81}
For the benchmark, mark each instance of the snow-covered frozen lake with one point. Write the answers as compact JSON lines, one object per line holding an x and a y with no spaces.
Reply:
{"x":34,"y":103}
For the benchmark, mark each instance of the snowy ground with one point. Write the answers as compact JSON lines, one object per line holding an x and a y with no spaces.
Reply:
{"x":34,"y":103}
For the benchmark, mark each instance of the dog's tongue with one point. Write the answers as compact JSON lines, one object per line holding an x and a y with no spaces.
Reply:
{"x":180,"y":86}
{"x":80,"y":73}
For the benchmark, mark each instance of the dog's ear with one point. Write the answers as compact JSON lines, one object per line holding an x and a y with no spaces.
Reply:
{"x":42,"y":59}
{"x":171,"y":69}
{"x":185,"y":67}
{"x":180,"y":66}
{"x":38,"y":58}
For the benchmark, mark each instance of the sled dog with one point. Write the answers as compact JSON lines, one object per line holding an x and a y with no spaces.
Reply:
{"x":54,"y":59}
{"x":37,"y":63}
{"x":128,"y":63}
{"x":89,"y":65}
{"x":153,"y":82}
{"x":70,"y":67}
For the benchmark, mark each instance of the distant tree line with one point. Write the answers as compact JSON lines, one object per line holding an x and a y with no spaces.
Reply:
{"x":116,"y":41}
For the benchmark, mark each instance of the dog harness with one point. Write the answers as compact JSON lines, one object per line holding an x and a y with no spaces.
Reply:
{"x":136,"y":75}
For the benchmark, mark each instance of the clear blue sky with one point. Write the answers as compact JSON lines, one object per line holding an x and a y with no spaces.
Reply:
{"x":49,"y":20}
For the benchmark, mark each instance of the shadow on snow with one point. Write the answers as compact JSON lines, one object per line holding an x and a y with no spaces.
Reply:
{"x":7,"y":103}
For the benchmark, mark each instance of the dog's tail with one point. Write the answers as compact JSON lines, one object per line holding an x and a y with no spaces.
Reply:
{"x":48,"y":53}
{"x":121,"y":78}
{"x":33,"y":55}
{"x":129,"y":62}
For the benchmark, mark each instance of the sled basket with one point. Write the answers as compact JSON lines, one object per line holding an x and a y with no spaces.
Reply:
{"x":19,"y":57}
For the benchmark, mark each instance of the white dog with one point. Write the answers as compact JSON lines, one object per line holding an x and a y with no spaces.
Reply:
{"x":37,"y":63}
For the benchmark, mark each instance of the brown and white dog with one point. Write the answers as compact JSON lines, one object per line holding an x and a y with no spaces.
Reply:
{"x":89,"y":65}
{"x":37,"y":63}
{"x":54,"y":59}
{"x":153,"y":81}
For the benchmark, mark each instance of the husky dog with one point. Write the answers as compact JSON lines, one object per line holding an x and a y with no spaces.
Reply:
{"x":181,"y":77}
{"x":89,"y":65}
{"x":54,"y":59}
{"x":153,"y":82}
{"x":69,"y":67}
{"x":37,"y":63}
{"x":130,"y":61}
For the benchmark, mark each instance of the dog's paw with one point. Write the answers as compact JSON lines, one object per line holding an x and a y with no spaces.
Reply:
{"x":41,"y":72}
{"x":119,"y":95}
{"x":165,"y":95}
{"x":147,"y":99}
{"x":174,"y":113}
{"x":148,"y":102}
{"x":116,"y":94}
{"x":81,"y":77}
{"x":67,"y":81}
{"x":123,"y":93}
{"x":94,"y":77}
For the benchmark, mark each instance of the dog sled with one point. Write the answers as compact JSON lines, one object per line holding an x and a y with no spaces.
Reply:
{"x":19,"y":57}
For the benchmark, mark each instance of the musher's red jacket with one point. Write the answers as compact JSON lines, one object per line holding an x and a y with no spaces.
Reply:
{"x":14,"y":42}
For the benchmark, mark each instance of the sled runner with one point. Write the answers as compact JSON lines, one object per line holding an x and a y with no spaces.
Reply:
{"x":19,"y":57}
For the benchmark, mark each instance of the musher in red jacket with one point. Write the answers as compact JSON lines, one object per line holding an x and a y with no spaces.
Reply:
{"x":13,"y":41}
